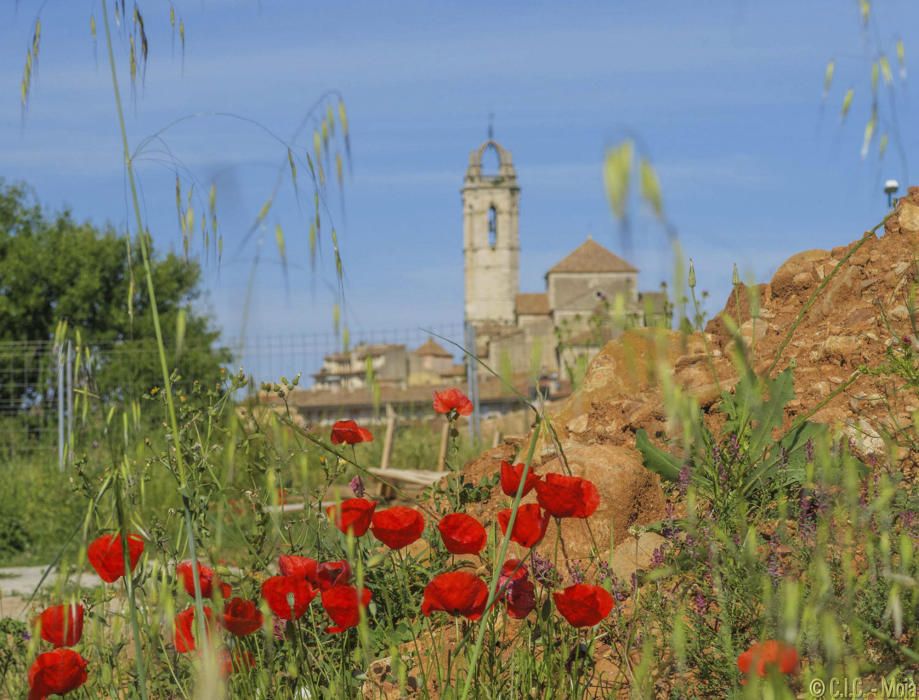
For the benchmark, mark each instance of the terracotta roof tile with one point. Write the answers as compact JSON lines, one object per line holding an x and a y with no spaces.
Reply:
{"x":590,"y":256}
{"x":533,"y":304}
{"x":430,"y":347}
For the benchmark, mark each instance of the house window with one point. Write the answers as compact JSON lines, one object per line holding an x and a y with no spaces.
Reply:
{"x":492,"y":227}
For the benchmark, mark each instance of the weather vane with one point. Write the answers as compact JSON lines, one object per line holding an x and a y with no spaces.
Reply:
{"x":491,"y":126}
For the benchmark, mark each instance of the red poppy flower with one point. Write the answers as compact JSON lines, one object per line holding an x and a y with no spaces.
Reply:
{"x":456,"y":593}
{"x":511,"y":571}
{"x":288,"y":596}
{"x":235,"y":661}
{"x":762,"y":656}
{"x":56,"y":672}
{"x":452,"y":400}
{"x":341,"y":604}
{"x":62,"y":625}
{"x":301,"y":567}
{"x":462,"y":534}
{"x":529,"y":526}
{"x":333,"y":573}
{"x":106,"y":555}
{"x":397,"y":527}
{"x":350,"y":432}
{"x":583,"y":605}
{"x":510,"y":479}
{"x":352,"y":514}
{"x":520,"y":598}
{"x":205,"y":577}
{"x":567,"y":496}
{"x":185,"y":628}
{"x":241,"y":617}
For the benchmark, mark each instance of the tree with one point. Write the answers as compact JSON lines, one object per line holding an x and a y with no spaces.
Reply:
{"x":54,"y":269}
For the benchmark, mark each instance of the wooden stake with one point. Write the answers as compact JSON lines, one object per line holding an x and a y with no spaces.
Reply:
{"x":444,"y":439}
{"x":386,"y":491}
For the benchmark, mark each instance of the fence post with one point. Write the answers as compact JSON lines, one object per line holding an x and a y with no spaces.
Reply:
{"x":444,"y":441}
{"x":69,"y":378}
{"x":60,"y":407}
{"x":385,"y":490}
{"x":472,"y":381}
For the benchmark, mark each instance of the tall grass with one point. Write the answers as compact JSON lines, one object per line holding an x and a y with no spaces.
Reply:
{"x":793,"y":540}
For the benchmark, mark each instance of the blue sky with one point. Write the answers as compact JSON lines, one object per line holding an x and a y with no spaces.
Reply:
{"x":725,"y":97}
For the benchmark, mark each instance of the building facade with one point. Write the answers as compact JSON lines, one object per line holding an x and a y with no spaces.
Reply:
{"x":591,"y":295}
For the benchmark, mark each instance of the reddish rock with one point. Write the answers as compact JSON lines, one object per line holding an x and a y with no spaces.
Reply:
{"x":860,"y":312}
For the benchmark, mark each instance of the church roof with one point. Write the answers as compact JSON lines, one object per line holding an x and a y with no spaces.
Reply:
{"x":533,"y":304}
{"x":590,"y":256}
{"x":429,"y":347}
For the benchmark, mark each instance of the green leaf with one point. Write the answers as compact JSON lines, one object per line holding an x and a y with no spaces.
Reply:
{"x":651,"y":188}
{"x":869,"y":132}
{"x":293,"y":168}
{"x":770,"y":414}
{"x":181,"y":320}
{"x":847,"y":103}
{"x":279,"y":239}
{"x":263,"y":212}
{"x":828,"y":77}
{"x":793,"y":444}
{"x":885,"y":70}
{"x":655,"y":459}
{"x":617,"y":175}
{"x":343,"y":117}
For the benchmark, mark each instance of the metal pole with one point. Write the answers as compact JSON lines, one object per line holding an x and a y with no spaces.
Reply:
{"x":60,"y":408}
{"x":70,"y":402}
{"x":472,"y":381}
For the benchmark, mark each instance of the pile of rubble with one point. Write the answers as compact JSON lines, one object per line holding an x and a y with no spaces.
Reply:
{"x":859,"y":312}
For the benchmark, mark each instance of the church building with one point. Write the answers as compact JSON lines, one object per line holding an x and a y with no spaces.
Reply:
{"x":533,"y":339}
{"x":591,"y":295}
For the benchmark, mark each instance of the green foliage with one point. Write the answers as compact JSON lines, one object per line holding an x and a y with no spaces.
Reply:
{"x":54,"y":270}
{"x":39,"y":511}
{"x":743,"y":461}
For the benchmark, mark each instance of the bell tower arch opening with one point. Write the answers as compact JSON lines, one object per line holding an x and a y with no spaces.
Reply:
{"x":492,"y":227}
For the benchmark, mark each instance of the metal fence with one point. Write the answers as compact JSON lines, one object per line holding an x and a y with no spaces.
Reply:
{"x":38,"y":380}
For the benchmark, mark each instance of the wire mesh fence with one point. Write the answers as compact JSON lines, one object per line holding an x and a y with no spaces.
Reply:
{"x":39,"y":380}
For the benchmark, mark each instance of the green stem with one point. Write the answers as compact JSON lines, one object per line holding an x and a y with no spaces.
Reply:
{"x":145,"y":254}
{"x":705,"y":343}
{"x":502,"y":553}
{"x":161,"y":347}
{"x":129,"y":591}
{"x":192,"y":553}
{"x":887,"y":639}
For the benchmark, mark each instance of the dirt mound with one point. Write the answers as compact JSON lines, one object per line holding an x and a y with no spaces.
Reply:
{"x":861,"y":309}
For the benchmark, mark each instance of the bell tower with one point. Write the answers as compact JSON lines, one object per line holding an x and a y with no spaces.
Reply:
{"x":491,"y":238}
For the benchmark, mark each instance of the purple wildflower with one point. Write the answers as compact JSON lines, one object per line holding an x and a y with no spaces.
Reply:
{"x":543,"y":571}
{"x":357,"y":486}
{"x":700,"y":603}
{"x":280,"y":628}
{"x":575,"y":573}
{"x":735,"y":446}
{"x":774,"y":567}
{"x":604,"y":572}
{"x":685,"y":477}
